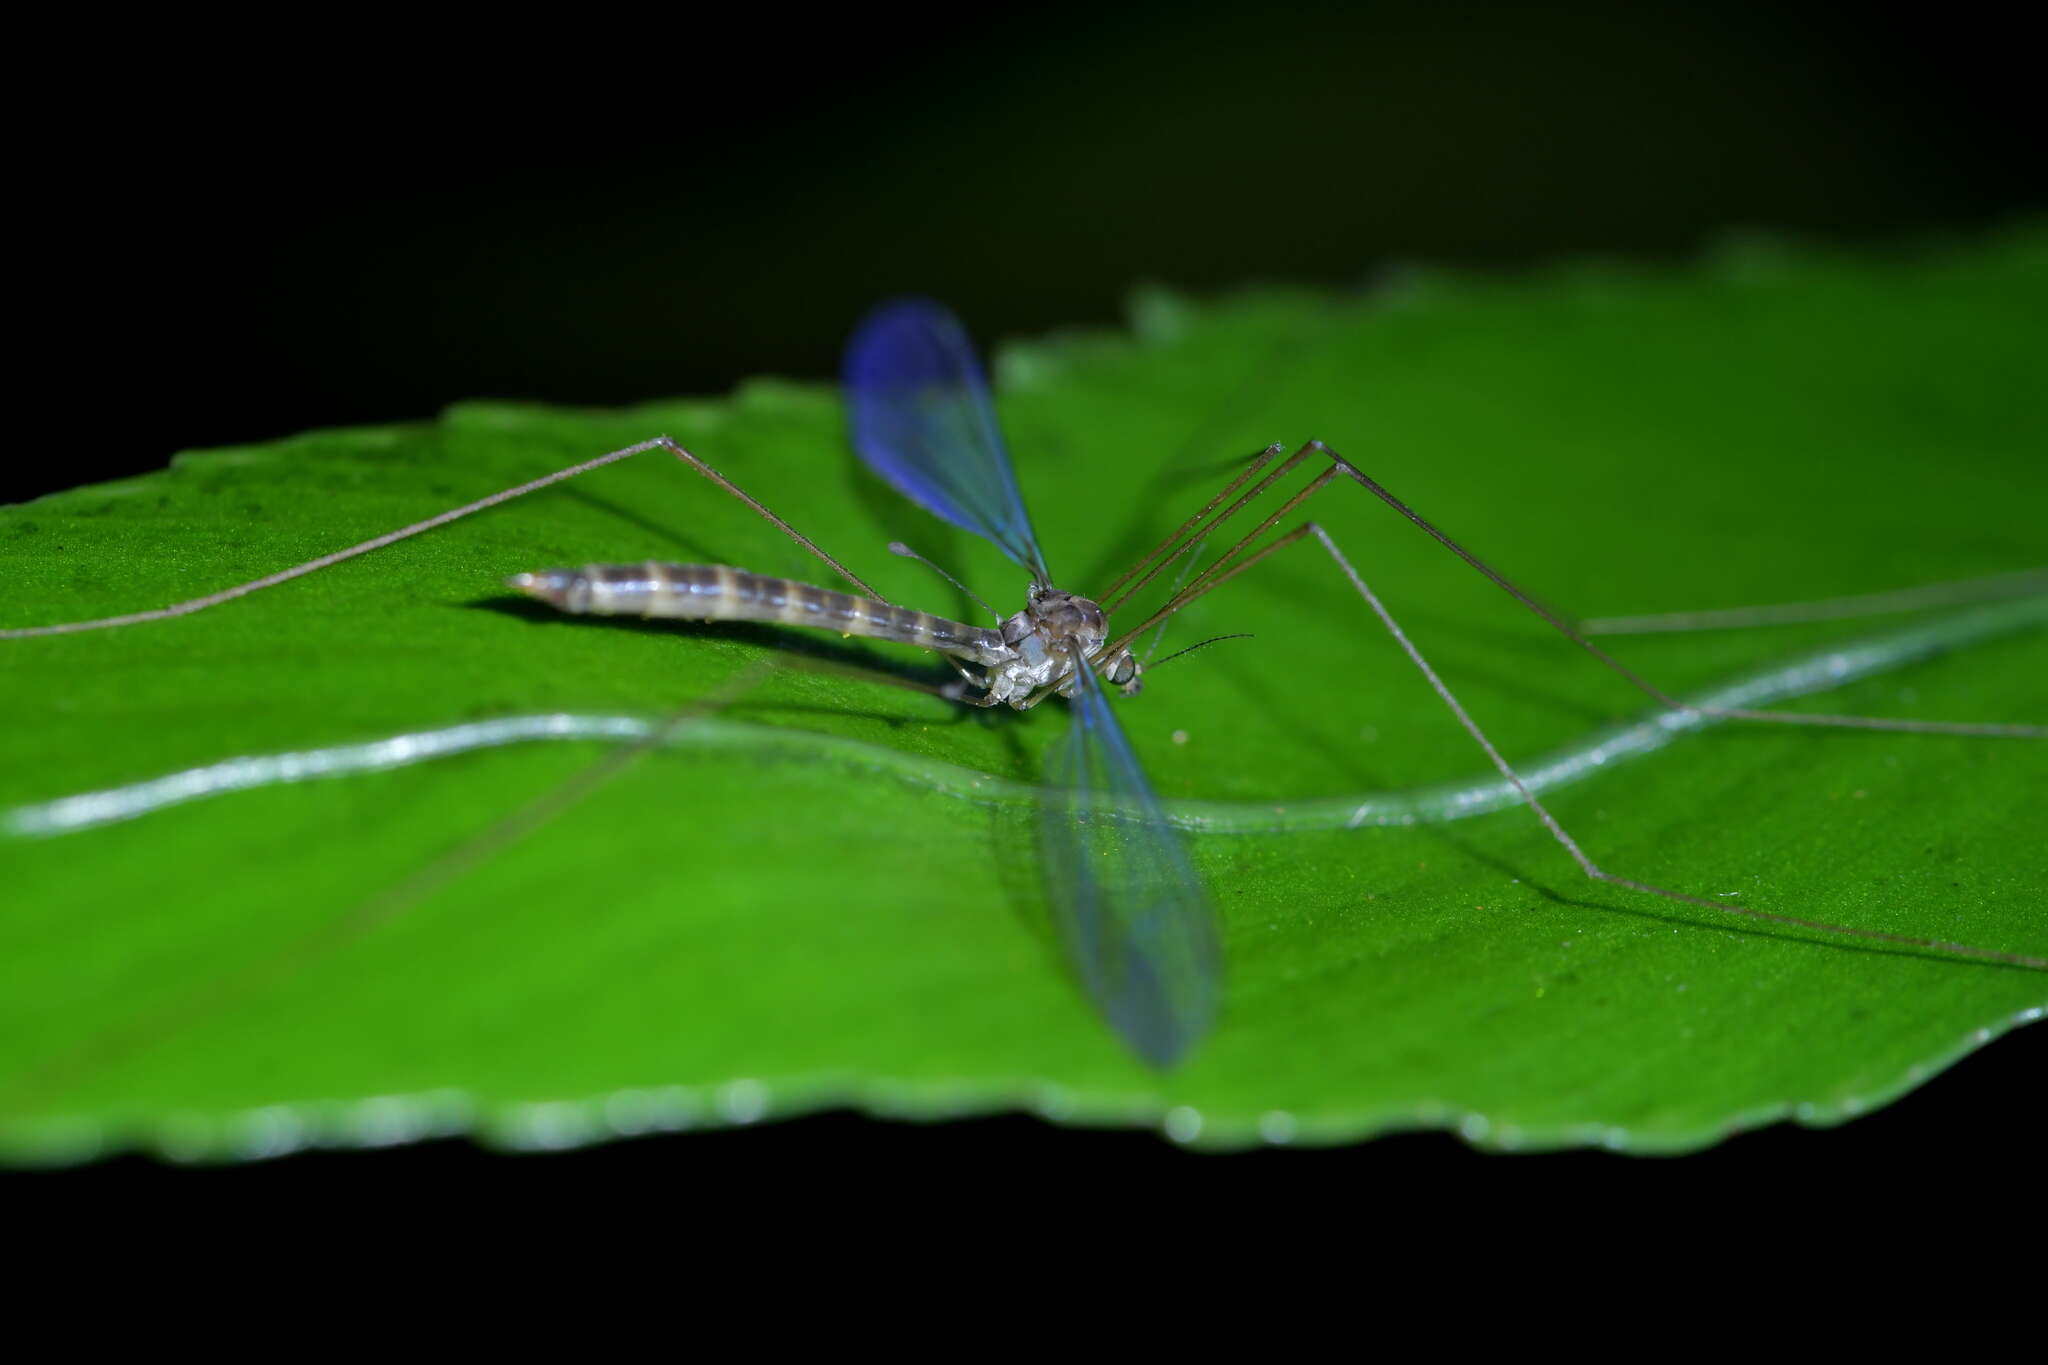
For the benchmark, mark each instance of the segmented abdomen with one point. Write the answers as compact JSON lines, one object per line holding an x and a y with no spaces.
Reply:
{"x":714,"y":592}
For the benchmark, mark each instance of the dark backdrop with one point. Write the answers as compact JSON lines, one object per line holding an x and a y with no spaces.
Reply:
{"x":362,"y":227}
{"x":237,"y":250}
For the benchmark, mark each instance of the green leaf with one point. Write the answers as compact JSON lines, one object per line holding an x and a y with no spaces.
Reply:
{"x":821,"y":891}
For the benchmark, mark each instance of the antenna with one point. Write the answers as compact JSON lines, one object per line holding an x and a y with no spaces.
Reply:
{"x":1244,"y":635}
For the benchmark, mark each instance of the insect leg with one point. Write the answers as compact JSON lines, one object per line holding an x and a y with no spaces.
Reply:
{"x":1571,"y":845}
{"x":441,"y":519}
{"x":1231,"y":562}
{"x":1200,"y":526}
{"x":1229,"y":565}
{"x":1641,"y":684}
{"x":1242,"y":556}
{"x":777,"y":522}
{"x":1996,"y":587}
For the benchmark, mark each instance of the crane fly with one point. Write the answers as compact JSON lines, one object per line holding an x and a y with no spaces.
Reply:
{"x":1133,"y":916}
{"x":1134,"y":919}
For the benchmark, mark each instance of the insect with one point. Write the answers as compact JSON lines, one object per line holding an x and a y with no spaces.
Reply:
{"x":1136,"y":924}
{"x":1136,"y":921}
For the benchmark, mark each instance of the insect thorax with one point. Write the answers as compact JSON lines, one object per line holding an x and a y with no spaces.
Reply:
{"x":1053,"y":629}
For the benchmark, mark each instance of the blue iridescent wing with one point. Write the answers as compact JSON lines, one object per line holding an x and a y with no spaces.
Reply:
{"x":1129,"y":906}
{"x":921,"y":417}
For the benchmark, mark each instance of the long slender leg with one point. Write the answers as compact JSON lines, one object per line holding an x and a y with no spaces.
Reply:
{"x":777,"y":522}
{"x":1242,"y":556}
{"x":441,"y":519}
{"x":1116,"y":591}
{"x":1232,"y":561}
{"x":1571,"y":845}
{"x":1995,"y":587}
{"x":1203,"y":524}
{"x":1277,"y":544}
{"x":1199,"y":527}
{"x":1645,"y":686}
{"x":1229,"y":564}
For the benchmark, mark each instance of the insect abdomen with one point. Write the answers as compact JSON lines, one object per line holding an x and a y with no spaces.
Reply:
{"x":714,"y":592}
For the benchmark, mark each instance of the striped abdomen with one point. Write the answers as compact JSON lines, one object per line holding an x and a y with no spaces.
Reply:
{"x":713,"y":592}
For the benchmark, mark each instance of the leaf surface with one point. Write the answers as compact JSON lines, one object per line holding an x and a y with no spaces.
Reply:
{"x":817,"y":890}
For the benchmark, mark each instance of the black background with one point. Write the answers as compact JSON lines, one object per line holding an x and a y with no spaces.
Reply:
{"x":230,"y":242}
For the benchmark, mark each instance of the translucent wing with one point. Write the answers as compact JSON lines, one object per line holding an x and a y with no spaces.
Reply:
{"x":1129,"y":906}
{"x":922,"y":419}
